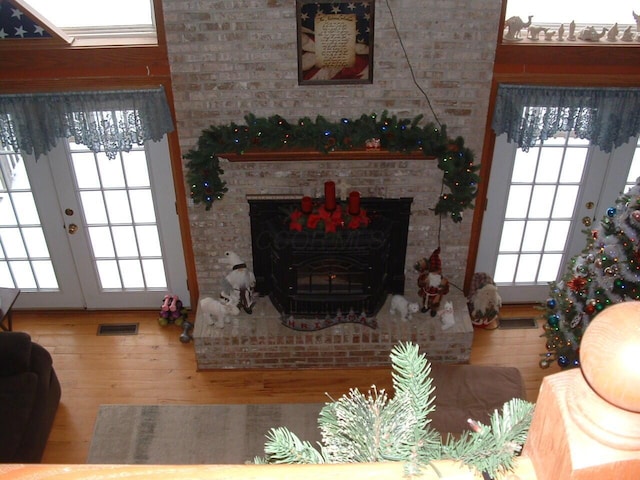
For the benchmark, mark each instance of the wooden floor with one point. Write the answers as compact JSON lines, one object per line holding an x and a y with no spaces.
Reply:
{"x":155,"y":367}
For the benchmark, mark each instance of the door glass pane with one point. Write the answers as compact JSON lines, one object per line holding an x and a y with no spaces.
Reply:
{"x":539,"y":211}
{"x":511,"y":236}
{"x":634,"y":171}
{"x":24,"y":255}
{"x":120,"y":217}
{"x":518,"y":203}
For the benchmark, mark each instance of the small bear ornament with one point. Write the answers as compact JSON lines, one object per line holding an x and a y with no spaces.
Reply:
{"x":404,"y":307}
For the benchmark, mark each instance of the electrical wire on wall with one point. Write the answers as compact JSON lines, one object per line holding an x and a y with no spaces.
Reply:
{"x":424,"y":94}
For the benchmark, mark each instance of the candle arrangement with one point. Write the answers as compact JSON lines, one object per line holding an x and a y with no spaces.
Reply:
{"x":328,"y":214}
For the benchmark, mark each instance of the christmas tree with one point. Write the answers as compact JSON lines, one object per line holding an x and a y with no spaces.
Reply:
{"x":375,"y":428}
{"x":605,"y":273}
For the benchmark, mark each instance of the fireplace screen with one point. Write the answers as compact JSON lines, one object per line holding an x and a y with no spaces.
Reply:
{"x":316,"y":274}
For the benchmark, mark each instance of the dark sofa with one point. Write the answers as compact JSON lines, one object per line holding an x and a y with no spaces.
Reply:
{"x":29,"y":398}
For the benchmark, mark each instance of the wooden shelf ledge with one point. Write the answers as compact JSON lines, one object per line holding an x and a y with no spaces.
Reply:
{"x":314,"y":155}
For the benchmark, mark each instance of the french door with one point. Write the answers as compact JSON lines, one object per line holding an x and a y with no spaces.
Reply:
{"x":539,"y":204}
{"x":79,"y":230}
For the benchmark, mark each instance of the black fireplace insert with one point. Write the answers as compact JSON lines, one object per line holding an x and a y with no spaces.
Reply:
{"x":313,"y":273}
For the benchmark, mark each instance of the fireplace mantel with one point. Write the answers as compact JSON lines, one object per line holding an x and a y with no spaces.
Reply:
{"x":298,"y":155}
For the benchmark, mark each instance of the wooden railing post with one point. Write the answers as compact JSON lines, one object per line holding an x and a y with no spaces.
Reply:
{"x":586,"y":423}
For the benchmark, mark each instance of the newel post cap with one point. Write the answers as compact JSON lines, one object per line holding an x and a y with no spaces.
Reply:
{"x":610,"y":355}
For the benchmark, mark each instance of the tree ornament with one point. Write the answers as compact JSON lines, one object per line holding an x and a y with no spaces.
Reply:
{"x":611,"y":212}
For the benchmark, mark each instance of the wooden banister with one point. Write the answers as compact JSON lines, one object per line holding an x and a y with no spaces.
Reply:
{"x":587,"y":421}
{"x":371,"y":471}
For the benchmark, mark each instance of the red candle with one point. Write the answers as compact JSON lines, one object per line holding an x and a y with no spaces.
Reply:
{"x":307,"y":205}
{"x":329,"y":196}
{"x":354,"y":203}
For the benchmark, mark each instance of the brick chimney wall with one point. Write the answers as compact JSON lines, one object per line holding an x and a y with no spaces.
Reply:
{"x":234,"y":57}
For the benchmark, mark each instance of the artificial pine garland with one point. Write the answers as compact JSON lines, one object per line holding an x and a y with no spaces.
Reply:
{"x":374,"y":428}
{"x":276,"y":133}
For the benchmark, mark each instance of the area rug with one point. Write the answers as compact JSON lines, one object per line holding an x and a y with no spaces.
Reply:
{"x":194,"y":434}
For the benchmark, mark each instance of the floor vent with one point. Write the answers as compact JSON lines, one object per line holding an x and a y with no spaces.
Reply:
{"x":118,"y":329}
{"x":525,"y":322}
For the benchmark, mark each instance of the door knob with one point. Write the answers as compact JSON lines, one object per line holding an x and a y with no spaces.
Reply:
{"x":590,"y":205}
{"x":586,"y":221}
{"x":73,"y":228}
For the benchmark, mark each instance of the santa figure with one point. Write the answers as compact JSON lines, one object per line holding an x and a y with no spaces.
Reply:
{"x":432,"y":285}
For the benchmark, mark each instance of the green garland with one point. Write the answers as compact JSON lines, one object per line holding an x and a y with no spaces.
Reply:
{"x":276,"y":133}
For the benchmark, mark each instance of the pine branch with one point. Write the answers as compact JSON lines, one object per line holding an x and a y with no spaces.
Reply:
{"x":493,"y":449}
{"x":373,"y":428}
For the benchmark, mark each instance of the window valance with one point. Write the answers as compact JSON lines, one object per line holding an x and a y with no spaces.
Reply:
{"x":108,"y":121}
{"x":607,"y":117}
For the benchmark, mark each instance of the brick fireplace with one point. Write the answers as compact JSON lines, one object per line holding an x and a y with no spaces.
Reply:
{"x":359,"y":271}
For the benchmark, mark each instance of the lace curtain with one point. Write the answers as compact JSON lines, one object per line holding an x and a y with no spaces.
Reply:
{"x":607,"y":117}
{"x":107,"y":121}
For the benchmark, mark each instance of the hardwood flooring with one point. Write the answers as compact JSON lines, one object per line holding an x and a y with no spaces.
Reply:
{"x":155,"y":367}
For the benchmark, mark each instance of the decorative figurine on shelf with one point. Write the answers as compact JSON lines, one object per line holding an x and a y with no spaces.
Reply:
{"x":513,"y":26}
{"x":572,"y":31}
{"x":238,"y":286}
{"x":218,"y":311}
{"x":484,"y":301}
{"x":612,"y":35}
{"x":561,"y":33}
{"x":432,"y":285}
{"x":627,"y":35}
{"x":404,"y":307}
{"x":590,"y":34}
{"x":446,"y":316}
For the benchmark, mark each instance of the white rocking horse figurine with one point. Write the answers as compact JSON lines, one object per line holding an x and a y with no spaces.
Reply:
{"x":239,"y":284}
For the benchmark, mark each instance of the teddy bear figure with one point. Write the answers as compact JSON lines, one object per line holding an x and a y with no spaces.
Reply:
{"x":431,"y":284}
{"x":484,"y":301}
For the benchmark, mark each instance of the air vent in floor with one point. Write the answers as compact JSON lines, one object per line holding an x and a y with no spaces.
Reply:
{"x":118,"y":329}
{"x":508,"y":323}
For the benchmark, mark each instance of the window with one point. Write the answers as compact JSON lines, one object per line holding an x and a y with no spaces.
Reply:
{"x":584,"y":13}
{"x":94,"y":22}
{"x":594,"y":21}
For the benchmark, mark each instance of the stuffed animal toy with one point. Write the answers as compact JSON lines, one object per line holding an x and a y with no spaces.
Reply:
{"x":446,"y":316}
{"x":401,"y":305}
{"x":218,"y":311}
{"x":432,"y":285}
{"x":239,"y":284}
{"x":484,"y":301}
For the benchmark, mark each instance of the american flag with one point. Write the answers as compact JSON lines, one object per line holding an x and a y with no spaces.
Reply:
{"x":15,"y":24}
{"x":364,"y":36}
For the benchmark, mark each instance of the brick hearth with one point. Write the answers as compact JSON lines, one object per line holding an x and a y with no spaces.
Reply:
{"x":259,"y":340}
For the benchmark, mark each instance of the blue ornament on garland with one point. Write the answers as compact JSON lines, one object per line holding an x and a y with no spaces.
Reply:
{"x":551,"y":303}
{"x":563,"y":361}
{"x":611,"y":212}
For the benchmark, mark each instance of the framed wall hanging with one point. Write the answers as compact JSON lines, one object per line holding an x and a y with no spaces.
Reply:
{"x":335,"y":41}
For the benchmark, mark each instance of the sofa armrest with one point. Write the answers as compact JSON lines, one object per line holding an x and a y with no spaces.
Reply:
{"x":17,"y":398}
{"x":15,"y":353}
